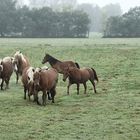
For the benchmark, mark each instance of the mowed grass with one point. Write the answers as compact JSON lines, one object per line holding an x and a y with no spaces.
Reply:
{"x":111,"y":114}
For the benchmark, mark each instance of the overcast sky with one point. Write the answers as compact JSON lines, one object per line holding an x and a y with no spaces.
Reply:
{"x":125,"y":4}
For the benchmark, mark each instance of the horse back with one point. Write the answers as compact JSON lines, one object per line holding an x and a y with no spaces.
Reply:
{"x":69,"y":63}
{"x":48,"y":79}
{"x":7,"y":68}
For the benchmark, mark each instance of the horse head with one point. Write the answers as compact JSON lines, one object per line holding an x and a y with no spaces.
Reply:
{"x":36,"y":77}
{"x":46,"y":58}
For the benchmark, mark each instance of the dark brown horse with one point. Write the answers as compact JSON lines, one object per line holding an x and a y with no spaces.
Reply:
{"x":80,"y":76}
{"x":45,"y":81}
{"x":21,"y":61}
{"x":60,"y":66}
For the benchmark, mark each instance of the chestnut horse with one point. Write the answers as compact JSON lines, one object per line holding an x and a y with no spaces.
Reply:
{"x":80,"y":76}
{"x":60,"y":66}
{"x":22,"y":62}
{"x":45,"y":81}
{"x":27,"y":81}
{"x":6,"y":70}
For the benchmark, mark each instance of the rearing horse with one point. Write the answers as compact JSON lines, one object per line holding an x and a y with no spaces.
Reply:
{"x":21,"y":61}
{"x":60,"y":66}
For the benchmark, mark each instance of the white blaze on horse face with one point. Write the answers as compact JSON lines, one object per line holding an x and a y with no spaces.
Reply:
{"x":15,"y":67}
{"x":1,"y":68}
{"x":30,"y":74}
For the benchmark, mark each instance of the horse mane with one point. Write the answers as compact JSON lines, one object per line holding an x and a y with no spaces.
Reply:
{"x":20,"y":56}
{"x":52,"y":60}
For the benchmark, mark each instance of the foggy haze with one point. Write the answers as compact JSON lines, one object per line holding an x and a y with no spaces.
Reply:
{"x":125,"y":4}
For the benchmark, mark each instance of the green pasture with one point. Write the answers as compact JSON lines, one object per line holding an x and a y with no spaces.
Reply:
{"x":111,"y":114}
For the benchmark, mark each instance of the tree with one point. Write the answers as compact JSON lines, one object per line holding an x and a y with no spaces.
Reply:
{"x":7,"y":15}
{"x":109,"y":11}
{"x":126,"y":25}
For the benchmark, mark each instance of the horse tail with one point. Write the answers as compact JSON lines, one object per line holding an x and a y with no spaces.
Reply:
{"x":95,"y":75}
{"x":77,"y":65}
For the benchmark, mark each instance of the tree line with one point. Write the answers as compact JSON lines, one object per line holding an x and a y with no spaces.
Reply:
{"x":41,"y":22}
{"x":127,"y":25}
{"x":97,"y":15}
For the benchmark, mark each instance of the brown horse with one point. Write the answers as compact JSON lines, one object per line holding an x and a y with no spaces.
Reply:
{"x":78,"y":76}
{"x":45,"y":81}
{"x":6,"y":70}
{"x":21,"y":61}
{"x":27,"y":80}
{"x":60,"y":66}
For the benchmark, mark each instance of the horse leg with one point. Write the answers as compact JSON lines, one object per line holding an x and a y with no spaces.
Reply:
{"x":85,"y":87}
{"x":29,"y":95}
{"x":68,"y":88}
{"x":78,"y":89}
{"x":44,"y":98}
{"x":53,"y":92}
{"x":7,"y":83}
{"x":25,"y":93}
{"x":2,"y":84}
{"x":93,"y":83}
{"x":49,"y":97}
{"x":17,"y":77}
{"x":36,"y":97}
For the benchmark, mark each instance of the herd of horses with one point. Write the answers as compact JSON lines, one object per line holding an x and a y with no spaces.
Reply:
{"x":44,"y":79}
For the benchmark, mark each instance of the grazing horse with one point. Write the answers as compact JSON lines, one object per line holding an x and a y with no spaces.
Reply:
{"x":80,"y":76}
{"x":22,"y":62}
{"x":6,"y":70}
{"x":45,"y":81}
{"x":27,"y":80}
{"x":60,"y":66}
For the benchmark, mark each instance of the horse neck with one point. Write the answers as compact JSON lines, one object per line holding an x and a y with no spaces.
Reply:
{"x":52,"y":61}
{"x":21,"y":64}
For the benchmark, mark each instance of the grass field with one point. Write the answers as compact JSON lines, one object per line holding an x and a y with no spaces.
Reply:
{"x":111,"y":114}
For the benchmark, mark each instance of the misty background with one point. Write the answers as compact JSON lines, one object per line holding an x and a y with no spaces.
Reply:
{"x":69,"y":18}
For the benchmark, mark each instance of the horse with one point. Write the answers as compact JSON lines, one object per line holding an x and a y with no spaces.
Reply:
{"x":60,"y":66}
{"x":6,"y":70}
{"x":21,"y":61}
{"x":80,"y":76}
{"x":27,"y":80}
{"x":45,"y":81}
